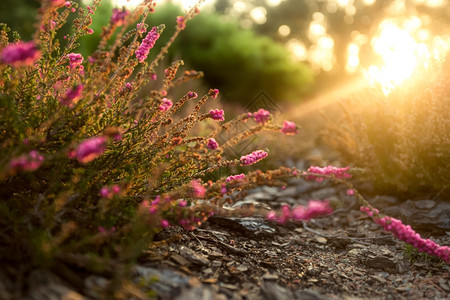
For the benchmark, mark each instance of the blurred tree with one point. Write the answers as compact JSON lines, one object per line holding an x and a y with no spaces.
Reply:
{"x":20,"y":15}
{"x":236,"y":60}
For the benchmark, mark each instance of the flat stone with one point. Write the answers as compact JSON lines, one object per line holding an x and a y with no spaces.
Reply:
{"x":309,"y":295}
{"x":168,"y":283}
{"x":180,"y":260}
{"x":242,"y":268}
{"x":381,"y":262}
{"x":321,"y":239}
{"x":269,"y":276}
{"x":193,"y":257}
{"x":273,"y":291}
{"x":426,"y":215}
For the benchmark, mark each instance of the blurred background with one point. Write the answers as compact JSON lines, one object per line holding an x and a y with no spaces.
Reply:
{"x":366,"y":79}
{"x":291,"y":49}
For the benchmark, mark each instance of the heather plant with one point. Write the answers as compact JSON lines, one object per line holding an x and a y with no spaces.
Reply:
{"x":402,"y":139}
{"x":92,"y":166}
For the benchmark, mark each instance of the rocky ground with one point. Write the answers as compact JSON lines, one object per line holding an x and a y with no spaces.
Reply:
{"x":341,"y":256}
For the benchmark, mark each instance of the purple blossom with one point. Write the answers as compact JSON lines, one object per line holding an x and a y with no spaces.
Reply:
{"x":27,"y":162}
{"x":213,"y":93}
{"x":90,"y":149}
{"x":198,"y":190}
{"x":181,"y":22}
{"x":147,"y":43}
{"x":216,"y":114}
{"x":238,"y":177}
{"x":289,"y":128}
{"x":253,"y":157}
{"x":118,"y":16}
{"x":329,"y":170}
{"x":192,"y":95}
{"x":72,"y":96}
{"x":20,"y":54}
{"x":261,"y":116}
{"x":408,"y":235}
{"x":165,"y":223}
{"x":315,"y":208}
{"x":165,"y":105}
{"x":75,"y":59}
{"x":212,"y":144}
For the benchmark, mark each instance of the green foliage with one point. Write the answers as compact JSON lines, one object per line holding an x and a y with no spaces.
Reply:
{"x":237,"y":60}
{"x":402,"y":139}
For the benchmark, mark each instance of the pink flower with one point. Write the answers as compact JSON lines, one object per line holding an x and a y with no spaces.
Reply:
{"x":271,"y":215}
{"x":238,"y":177}
{"x":192,"y":95}
{"x":198,"y":190}
{"x":213,"y":93}
{"x":90,"y":149}
{"x":289,"y":128}
{"x":329,"y":170}
{"x":216,"y":114}
{"x":181,"y":22}
{"x":104,"y":192}
{"x":253,"y":157}
{"x":20,"y":54}
{"x":408,"y":235}
{"x":350,"y":192}
{"x":75,"y":59}
{"x":314,"y":209}
{"x":212,"y":144}
{"x":182,"y":203}
{"x":223,"y":189}
{"x":147,"y":43}
{"x":165,"y":105}
{"x":261,"y":116}
{"x":57,"y":2}
{"x":118,"y":16}
{"x":165,"y":223}
{"x":72,"y":96}
{"x":317,"y":208}
{"x":27,"y":162}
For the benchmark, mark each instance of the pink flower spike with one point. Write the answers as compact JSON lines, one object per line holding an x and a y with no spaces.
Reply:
{"x":182,"y":203}
{"x":213,"y":93}
{"x":198,"y":190}
{"x":261,"y":116}
{"x":271,"y":215}
{"x":164,"y":223}
{"x":192,"y":95}
{"x":165,"y":105}
{"x":118,"y":16}
{"x":90,"y":149}
{"x":75,"y":59}
{"x":223,"y":189}
{"x":104,"y":192}
{"x":212,"y":144}
{"x":181,"y":22}
{"x":27,"y":162}
{"x":216,"y":114}
{"x":318,"y":208}
{"x":238,"y":177}
{"x":72,"y":96}
{"x":350,"y":192}
{"x":115,"y":189}
{"x":289,"y":128}
{"x":147,"y":43}
{"x":20,"y":54}
{"x":253,"y":157}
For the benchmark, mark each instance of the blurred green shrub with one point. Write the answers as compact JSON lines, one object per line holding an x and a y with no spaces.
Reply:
{"x":237,"y":60}
{"x":402,"y":139}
